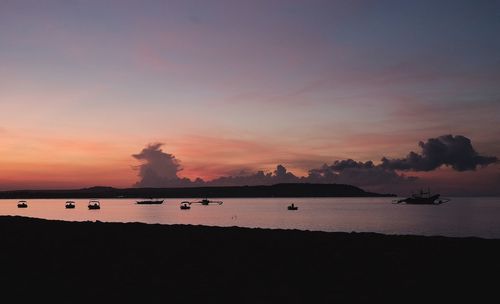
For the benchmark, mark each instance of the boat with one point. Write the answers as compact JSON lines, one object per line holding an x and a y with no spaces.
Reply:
{"x":292,"y":207}
{"x":22,"y":204}
{"x":94,"y":204}
{"x":150,"y":202}
{"x":70,"y":205}
{"x":423,"y":198}
{"x":206,"y":202}
{"x":185,"y":206}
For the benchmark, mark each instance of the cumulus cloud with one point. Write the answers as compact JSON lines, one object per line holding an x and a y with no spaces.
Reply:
{"x":362,"y":174}
{"x":359,"y":174}
{"x":448,"y":150}
{"x":340,"y":165}
{"x":158,"y":169}
{"x":278,"y":176}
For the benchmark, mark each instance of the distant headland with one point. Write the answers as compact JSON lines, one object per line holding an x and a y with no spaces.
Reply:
{"x":278,"y":190}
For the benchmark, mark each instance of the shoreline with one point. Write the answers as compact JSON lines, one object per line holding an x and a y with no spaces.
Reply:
{"x":156,"y":263}
{"x":202,"y":226}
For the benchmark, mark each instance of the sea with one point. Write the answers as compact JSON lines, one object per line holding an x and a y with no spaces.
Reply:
{"x":460,"y":217}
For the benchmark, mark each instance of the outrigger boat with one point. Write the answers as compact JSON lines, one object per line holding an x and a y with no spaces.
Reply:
{"x":206,"y":202}
{"x":185,"y":206}
{"x":423,"y":198}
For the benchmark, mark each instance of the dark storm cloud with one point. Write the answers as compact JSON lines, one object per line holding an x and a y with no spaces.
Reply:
{"x":448,"y":150}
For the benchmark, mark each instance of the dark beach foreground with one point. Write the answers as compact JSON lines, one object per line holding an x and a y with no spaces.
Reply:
{"x":116,"y":262}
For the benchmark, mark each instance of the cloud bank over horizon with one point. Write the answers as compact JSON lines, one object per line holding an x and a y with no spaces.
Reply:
{"x":160,"y":169}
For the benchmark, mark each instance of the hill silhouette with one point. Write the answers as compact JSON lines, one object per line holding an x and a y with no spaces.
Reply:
{"x":278,"y":190}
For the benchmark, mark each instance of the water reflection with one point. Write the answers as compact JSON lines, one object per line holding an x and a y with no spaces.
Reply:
{"x":461,"y":217}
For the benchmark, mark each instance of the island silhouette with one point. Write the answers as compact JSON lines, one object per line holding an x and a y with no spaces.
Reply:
{"x":278,"y":190}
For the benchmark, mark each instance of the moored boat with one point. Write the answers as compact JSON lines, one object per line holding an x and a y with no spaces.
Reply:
{"x":70,"y":205}
{"x":22,"y":204}
{"x":292,"y":207}
{"x":206,"y":202}
{"x":150,"y":202}
{"x":94,"y":205}
{"x":423,"y":198}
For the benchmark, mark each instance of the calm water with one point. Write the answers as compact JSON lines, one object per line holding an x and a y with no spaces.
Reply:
{"x":461,"y":217}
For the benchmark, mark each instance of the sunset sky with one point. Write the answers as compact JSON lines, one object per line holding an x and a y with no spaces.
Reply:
{"x":233,"y":87}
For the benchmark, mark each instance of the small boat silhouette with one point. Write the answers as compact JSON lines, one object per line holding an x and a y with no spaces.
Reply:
{"x":150,"y":202}
{"x":206,"y":202}
{"x":94,"y":205}
{"x":185,"y":206}
{"x":423,"y":198}
{"x":292,"y":207}
{"x":70,"y":205}
{"x":22,"y":204}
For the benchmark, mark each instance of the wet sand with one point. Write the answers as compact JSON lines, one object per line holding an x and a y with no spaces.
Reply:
{"x":117,"y":262}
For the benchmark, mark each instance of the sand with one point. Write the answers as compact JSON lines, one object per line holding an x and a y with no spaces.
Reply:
{"x":134,"y":262}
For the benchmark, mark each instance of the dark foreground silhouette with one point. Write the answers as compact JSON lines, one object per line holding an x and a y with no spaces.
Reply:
{"x":115,"y":262}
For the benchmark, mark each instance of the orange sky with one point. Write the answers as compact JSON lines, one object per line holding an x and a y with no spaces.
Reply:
{"x":237,"y":86}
